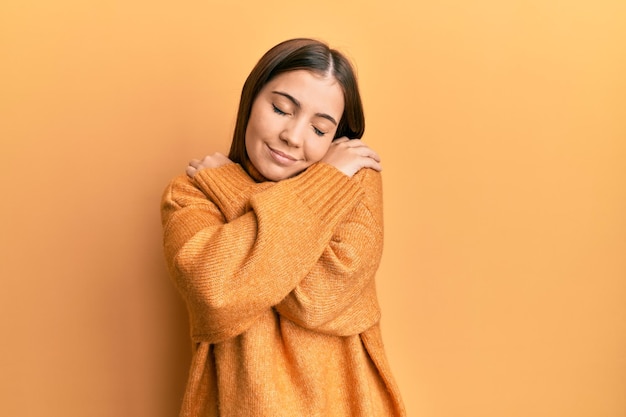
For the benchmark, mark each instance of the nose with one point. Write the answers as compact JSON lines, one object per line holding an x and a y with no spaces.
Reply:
{"x":293,"y":134}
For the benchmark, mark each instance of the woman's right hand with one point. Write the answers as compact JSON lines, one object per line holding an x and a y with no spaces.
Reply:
{"x":210,"y":161}
{"x":350,"y":155}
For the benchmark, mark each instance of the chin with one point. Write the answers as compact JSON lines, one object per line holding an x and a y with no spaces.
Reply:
{"x":288,"y":175}
{"x":278,"y":176}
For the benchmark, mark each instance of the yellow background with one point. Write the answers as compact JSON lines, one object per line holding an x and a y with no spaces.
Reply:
{"x":502,"y":128}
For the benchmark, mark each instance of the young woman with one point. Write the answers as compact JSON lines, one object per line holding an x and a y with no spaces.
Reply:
{"x":275,"y":248}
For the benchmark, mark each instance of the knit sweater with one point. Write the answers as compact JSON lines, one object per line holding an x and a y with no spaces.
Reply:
{"x":279,"y":283}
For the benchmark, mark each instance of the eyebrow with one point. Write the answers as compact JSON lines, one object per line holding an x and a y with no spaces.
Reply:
{"x":297,"y":103}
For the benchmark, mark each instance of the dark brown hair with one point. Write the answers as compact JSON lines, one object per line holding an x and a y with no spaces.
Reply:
{"x":300,"y":54}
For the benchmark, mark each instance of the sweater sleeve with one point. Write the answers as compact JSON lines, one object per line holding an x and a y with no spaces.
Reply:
{"x":338,"y":295}
{"x":230,"y":272}
{"x":229,"y":187}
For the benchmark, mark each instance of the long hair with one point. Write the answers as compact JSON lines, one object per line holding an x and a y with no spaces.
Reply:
{"x":300,"y":54}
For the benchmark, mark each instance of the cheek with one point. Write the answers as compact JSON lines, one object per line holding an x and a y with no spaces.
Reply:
{"x":317,"y":148}
{"x":263,"y":120}
{"x":254,"y":128}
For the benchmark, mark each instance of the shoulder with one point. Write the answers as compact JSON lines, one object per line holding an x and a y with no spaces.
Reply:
{"x":181,"y":191}
{"x":371,"y":182}
{"x":182,"y":199}
{"x":181,"y":195}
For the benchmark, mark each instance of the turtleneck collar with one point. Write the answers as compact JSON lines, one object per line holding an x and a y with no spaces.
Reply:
{"x":252,"y":171}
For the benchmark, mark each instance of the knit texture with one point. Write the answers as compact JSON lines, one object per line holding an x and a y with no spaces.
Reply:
{"x":279,"y":284}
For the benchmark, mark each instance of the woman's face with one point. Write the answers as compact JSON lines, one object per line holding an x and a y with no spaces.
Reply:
{"x":293,"y":122}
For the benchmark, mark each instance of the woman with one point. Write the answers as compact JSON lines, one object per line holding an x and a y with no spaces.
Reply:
{"x":275,"y":248}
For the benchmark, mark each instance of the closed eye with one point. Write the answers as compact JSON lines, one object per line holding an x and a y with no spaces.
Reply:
{"x":318,"y":132}
{"x":278,"y":111}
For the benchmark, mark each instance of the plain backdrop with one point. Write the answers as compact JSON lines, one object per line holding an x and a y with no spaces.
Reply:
{"x":502,"y":129}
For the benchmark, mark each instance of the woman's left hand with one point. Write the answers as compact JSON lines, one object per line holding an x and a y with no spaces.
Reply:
{"x":350,"y":155}
{"x":210,"y":161}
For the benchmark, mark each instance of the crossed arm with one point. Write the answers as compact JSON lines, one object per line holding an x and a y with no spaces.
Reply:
{"x":307,"y":246}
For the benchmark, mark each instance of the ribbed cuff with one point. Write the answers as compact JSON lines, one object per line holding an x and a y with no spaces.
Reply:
{"x":327,"y":191}
{"x":228,"y":186}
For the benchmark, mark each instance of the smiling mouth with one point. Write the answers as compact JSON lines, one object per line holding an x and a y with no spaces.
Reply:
{"x":281,"y":157}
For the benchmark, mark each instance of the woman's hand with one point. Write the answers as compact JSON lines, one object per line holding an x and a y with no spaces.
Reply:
{"x":209,"y":161}
{"x":350,"y":155}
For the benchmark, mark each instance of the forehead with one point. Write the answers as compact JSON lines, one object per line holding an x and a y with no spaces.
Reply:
{"x":315,"y":92}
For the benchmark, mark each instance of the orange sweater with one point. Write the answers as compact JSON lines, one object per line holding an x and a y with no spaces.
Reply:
{"x":279,"y":284}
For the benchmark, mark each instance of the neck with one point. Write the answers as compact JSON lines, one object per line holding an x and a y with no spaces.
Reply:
{"x":252,"y":171}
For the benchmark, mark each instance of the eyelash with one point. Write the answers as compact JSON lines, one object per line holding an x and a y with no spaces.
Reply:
{"x":282,"y":113}
{"x":277,"y":110}
{"x":318,"y":132}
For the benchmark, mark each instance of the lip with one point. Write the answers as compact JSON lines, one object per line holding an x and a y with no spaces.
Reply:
{"x":281,"y":158}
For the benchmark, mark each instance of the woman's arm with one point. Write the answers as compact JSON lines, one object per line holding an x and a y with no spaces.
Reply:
{"x":229,"y":188}
{"x":230,"y":272}
{"x":338,"y":295}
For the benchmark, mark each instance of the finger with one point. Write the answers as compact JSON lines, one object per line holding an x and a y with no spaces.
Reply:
{"x":194,"y":163}
{"x":223,"y":158}
{"x":358,"y":143}
{"x":191,"y":171}
{"x":354,"y":143}
{"x":373,"y":164}
{"x":365,"y":151}
{"x":372,"y":154}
